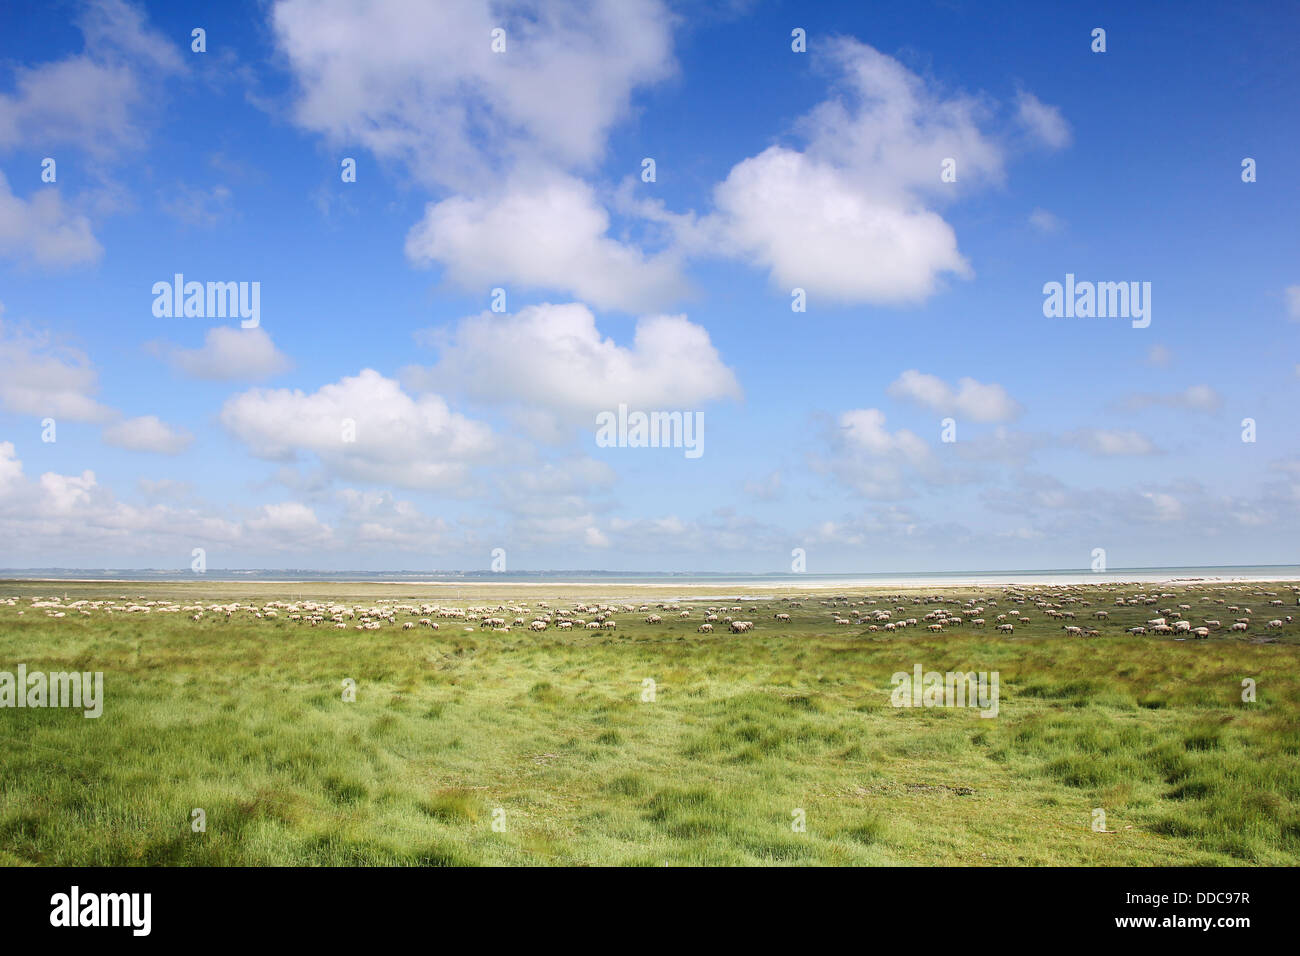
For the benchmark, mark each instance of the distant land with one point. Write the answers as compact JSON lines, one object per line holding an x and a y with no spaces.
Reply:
{"x":1260,"y":572}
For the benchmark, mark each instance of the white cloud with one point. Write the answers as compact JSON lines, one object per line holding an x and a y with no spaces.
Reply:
{"x":1165,"y":507}
{"x":1045,"y":221}
{"x":1160,"y":356}
{"x":1045,"y":123}
{"x":398,"y":439}
{"x":875,"y":462}
{"x":1293,"y":302}
{"x":43,"y":230}
{"x":147,"y":433}
{"x":813,"y":227}
{"x":418,"y":81}
{"x":64,"y":518}
{"x":40,"y":379}
{"x":197,"y":206}
{"x":1001,"y":444}
{"x":165,"y":488}
{"x":864,"y":429}
{"x":1199,"y":398}
{"x":1111,"y":442}
{"x":846,"y":219}
{"x":11,"y":469}
{"x":231,"y":354}
{"x":552,"y":361}
{"x":290,"y":526}
{"x":90,"y":100}
{"x":548,"y":233}
{"x":969,"y":400}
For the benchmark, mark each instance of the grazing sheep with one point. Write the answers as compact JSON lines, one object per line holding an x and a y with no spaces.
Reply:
{"x":705,"y":628}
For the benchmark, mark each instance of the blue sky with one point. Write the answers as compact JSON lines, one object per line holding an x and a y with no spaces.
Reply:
{"x":521,"y":170}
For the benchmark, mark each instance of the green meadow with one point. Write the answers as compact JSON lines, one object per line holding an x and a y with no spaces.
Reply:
{"x":779,"y":746}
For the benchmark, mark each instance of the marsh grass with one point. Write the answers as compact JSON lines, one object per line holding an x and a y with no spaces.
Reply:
{"x":246,"y":721}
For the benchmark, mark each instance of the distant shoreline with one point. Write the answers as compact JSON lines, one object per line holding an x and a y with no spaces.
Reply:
{"x":758,"y":583}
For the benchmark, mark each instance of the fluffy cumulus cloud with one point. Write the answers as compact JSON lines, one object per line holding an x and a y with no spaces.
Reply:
{"x":147,"y":433}
{"x":553,"y":362}
{"x":970,"y":399}
{"x":231,"y":354}
{"x":419,"y":82}
{"x":421,"y":85}
{"x":365,"y":428}
{"x":43,"y":379}
{"x":290,"y":526}
{"x":68,"y":517}
{"x":548,"y":233}
{"x":848,"y":216}
{"x":864,"y":429}
{"x":818,"y":228}
{"x":874,"y":461}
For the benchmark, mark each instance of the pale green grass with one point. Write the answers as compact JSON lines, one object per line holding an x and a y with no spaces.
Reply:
{"x":246,"y":720}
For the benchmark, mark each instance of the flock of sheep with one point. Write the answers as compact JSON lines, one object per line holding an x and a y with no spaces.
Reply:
{"x":888,"y":612}
{"x":373,"y":617}
{"x":1063,"y":603}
